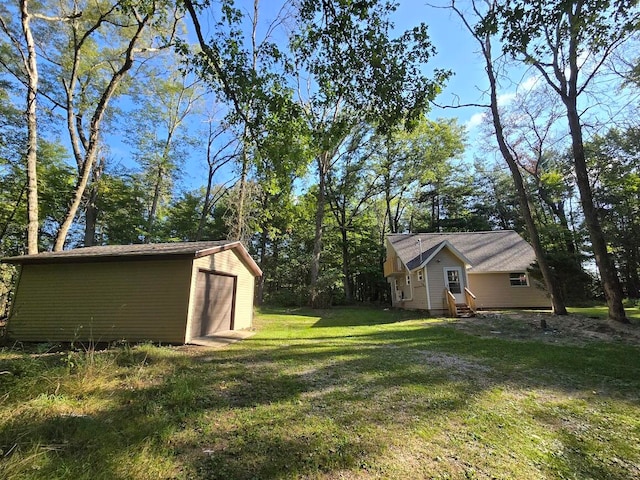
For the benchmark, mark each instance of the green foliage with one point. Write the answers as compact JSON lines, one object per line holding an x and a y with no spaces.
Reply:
{"x":348,"y":48}
{"x":613,"y":159}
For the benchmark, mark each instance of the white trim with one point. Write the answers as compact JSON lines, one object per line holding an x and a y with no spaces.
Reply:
{"x":410,"y":299}
{"x":454,"y":250}
{"x":459,"y":296}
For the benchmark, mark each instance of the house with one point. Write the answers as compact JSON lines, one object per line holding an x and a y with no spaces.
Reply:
{"x":460,"y":272}
{"x":167,"y":292}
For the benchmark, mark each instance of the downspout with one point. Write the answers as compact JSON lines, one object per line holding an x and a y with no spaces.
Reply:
{"x":426,"y":285}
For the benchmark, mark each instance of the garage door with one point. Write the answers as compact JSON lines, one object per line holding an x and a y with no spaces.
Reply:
{"x":214,"y":300}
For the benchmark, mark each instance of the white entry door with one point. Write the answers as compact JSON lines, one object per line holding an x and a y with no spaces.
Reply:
{"x":454,"y":281}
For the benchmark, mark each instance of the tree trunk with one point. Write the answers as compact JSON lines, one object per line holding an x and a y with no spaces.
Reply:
{"x":32,"y":125}
{"x":91,"y":217}
{"x":550,"y":281}
{"x":155,"y":201}
{"x":238,"y":229}
{"x":314,"y":293}
{"x":604,"y":262}
{"x":86,"y":161}
{"x":346,"y":266}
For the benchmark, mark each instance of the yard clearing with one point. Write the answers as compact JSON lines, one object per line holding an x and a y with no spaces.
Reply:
{"x":347,"y":393}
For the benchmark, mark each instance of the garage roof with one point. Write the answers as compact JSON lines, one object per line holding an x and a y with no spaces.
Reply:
{"x":114,"y":253}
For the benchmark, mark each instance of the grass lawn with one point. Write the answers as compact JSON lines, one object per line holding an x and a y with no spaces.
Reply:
{"x":601,"y":311}
{"x":344,"y":393}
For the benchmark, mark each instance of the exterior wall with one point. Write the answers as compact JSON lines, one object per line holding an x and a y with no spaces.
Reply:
{"x":102,"y":301}
{"x":493,"y":290}
{"x":229,"y":262}
{"x":415,"y":294}
{"x":435,"y":272}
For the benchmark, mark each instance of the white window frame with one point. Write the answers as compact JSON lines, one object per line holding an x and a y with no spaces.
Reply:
{"x":420,"y":275}
{"x":520,"y":275}
{"x":408,"y":279}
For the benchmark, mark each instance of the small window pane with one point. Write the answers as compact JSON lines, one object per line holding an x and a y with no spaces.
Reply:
{"x":518,"y":279}
{"x":453,"y":280}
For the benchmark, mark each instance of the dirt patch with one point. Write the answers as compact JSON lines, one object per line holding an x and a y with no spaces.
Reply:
{"x":569,"y":329}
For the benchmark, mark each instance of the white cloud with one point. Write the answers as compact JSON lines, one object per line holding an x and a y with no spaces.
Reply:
{"x":506,"y":98}
{"x":528,"y":84}
{"x":475,"y":120}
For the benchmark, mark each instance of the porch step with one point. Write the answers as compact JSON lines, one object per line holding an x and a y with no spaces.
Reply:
{"x":463,"y":311}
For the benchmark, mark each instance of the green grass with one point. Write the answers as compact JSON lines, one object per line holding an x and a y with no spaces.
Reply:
{"x":601,"y":311}
{"x":343,"y":393}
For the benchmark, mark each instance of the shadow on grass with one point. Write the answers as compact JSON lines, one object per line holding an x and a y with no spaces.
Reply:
{"x":316,"y":405}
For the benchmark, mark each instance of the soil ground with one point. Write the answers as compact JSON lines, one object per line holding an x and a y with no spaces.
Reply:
{"x":570,"y":329}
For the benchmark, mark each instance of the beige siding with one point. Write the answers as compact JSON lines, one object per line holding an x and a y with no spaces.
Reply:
{"x":435,"y":272}
{"x":415,"y":294}
{"x":102,"y":301}
{"x":229,"y":262}
{"x":493,"y":290}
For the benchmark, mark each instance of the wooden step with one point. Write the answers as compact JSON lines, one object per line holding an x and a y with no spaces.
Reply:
{"x":463,"y":311}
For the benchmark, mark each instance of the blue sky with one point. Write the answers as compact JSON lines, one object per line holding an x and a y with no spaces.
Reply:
{"x":456,"y":51}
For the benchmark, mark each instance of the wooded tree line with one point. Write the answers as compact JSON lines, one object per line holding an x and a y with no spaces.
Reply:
{"x":304,"y":132}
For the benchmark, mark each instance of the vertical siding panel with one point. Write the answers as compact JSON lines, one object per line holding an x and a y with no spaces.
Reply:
{"x":102,"y":301}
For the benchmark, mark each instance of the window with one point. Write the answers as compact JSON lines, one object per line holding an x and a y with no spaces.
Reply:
{"x":420,"y":275}
{"x":518,"y":279}
{"x":453,"y":280}
{"x":408,"y":279}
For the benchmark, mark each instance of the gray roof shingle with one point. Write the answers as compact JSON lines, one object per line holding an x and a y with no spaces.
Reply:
{"x":107,"y":252}
{"x":494,"y":251}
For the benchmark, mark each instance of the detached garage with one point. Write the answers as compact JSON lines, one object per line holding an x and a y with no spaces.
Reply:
{"x":168,"y":292}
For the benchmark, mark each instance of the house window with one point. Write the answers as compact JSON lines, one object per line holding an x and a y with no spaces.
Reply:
{"x":420,"y":275}
{"x":408,"y":279}
{"x":518,"y":279}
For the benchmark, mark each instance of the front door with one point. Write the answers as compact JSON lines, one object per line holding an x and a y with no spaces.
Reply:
{"x":455,"y":282}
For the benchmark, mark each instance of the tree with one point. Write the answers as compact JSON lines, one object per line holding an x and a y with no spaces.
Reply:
{"x":162,"y":141}
{"x":568,"y":43}
{"x":484,"y":41}
{"x":411,"y":164}
{"x":248,"y":74}
{"x":359,"y":72}
{"x":350,"y":186}
{"x":27,"y":52}
{"x":613,"y":160}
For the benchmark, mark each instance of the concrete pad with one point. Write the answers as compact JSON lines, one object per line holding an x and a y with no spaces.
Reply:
{"x":222,"y":339}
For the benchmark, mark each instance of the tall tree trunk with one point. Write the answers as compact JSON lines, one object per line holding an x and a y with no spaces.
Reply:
{"x":206,"y":207}
{"x":263,"y":257}
{"x":32,"y":126}
{"x":346,"y":266}
{"x":238,"y":229}
{"x":91,"y":217}
{"x":321,"y":200}
{"x":91,"y":210}
{"x":86,"y":161}
{"x":604,"y":262}
{"x":550,"y":281}
{"x":155,"y":201}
